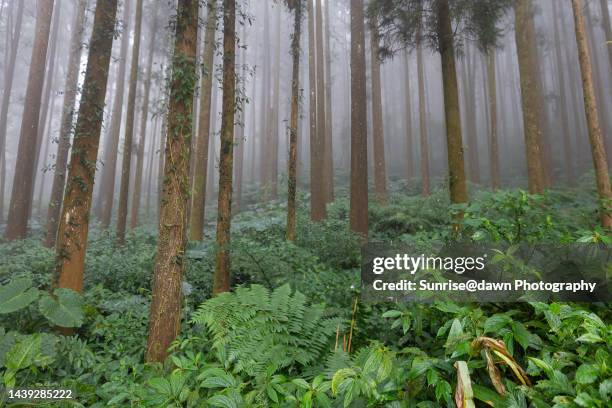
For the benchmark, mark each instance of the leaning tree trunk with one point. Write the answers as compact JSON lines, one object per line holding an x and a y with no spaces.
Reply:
{"x":74,"y":220}
{"x":9,"y":74}
{"x":358,"y":216}
{"x":107,"y":182}
{"x":293,"y":124}
{"x":196,"y":228}
{"x":224,"y":213}
{"x":602,"y":176}
{"x":423,"y":136}
{"x":493,"y":140}
{"x":21,"y":197}
{"x":129,"y":130}
{"x":63,"y":147}
{"x":456,"y":165}
{"x":380,"y":167}
{"x":525,"y":39}
{"x":165,"y":315}
{"x":144,"y":116}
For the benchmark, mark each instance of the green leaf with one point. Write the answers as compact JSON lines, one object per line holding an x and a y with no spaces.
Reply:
{"x":392,"y":313}
{"x":339,"y":378}
{"x":589,"y":338}
{"x":454,"y":333}
{"x":16,"y":295}
{"x":521,"y":334}
{"x":301,"y":383}
{"x":586,"y":374}
{"x":496,"y":322}
{"x":23,"y":354}
{"x":488,"y":396}
{"x":222,"y":401}
{"x":64,"y":308}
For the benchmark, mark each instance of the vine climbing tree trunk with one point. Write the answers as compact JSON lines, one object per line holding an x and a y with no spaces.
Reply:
{"x":224,"y":213}
{"x":74,"y":221}
{"x":165,"y":315}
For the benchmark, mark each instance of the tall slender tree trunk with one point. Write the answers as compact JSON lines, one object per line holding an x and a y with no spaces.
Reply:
{"x":74,"y":221}
{"x":424,"y":137}
{"x":46,"y":141}
{"x":21,"y":198}
{"x":493,"y":142}
{"x":154,"y":142}
{"x":607,"y":27}
{"x":602,"y":176}
{"x":144,"y":118}
{"x":323,"y":181}
{"x":456,"y":165}
{"x":358,"y":216}
{"x":469,"y":73}
{"x":240,"y":133}
{"x":408,"y":105}
{"x":293,"y":124}
{"x":265,"y":109}
{"x":9,"y":74}
{"x":129,"y":130}
{"x":329,"y":142}
{"x":165,"y":316}
{"x":63,"y":146}
{"x":525,"y":40}
{"x":222,"y":271}
{"x":563,"y":107}
{"x":196,"y":228}
{"x":380,"y":166}
{"x":107,"y":182}
{"x":317,"y":192}
{"x":275,"y":109}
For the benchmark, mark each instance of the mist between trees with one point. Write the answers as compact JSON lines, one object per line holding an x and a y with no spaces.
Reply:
{"x":172,"y":115}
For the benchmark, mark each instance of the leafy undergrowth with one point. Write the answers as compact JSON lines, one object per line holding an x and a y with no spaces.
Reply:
{"x":294,"y":333}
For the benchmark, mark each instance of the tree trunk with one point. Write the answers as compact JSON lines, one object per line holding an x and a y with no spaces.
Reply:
{"x":329,"y":145}
{"x":63,"y":147}
{"x":409,"y":139}
{"x":493,"y":142}
{"x":107,"y":182}
{"x":224,"y":217}
{"x":470,"y":114}
{"x":525,"y":40}
{"x":129,"y":130}
{"x":196,"y":228}
{"x":293,"y":124}
{"x":9,"y":74}
{"x":380,"y":167}
{"x":274,"y":125}
{"x":317,"y":111}
{"x":152,"y":144}
{"x":264,"y":133}
{"x":424,"y":137}
{"x":21,"y":198}
{"x":359,"y":124}
{"x":602,"y":176}
{"x":74,"y":220}
{"x":240,"y":133}
{"x":456,"y":166}
{"x":605,"y":22}
{"x":563,"y":107}
{"x":144,"y":116}
{"x":323,"y":182}
{"x":165,"y":316}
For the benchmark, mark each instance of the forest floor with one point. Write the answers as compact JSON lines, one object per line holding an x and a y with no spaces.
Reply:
{"x":273,"y":344}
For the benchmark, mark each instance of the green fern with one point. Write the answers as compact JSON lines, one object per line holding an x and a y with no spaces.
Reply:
{"x":263,"y":332}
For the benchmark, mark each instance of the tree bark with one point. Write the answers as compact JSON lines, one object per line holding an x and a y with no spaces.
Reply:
{"x":563,"y":107}
{"x":525,"y":40}
{"x":605,"y":22}
{"x":456,"y":165}
{"x":129,"y":130}
{"x":144,"y":117}
{"x":380,"y":166}
{"x":9,"y":75}
{"x":293,"y":124}
{"x":329,"y":145}
{"x":107,"y":182}
{"x":470,"y":114}
{"x":317,"y":111}
{"x":240,"y":133}
{"x":409,"y":138}
{"x":74,"y":220}
{"x":63,"y":146}
{"x":21,"y":197}
{"x":196,"y":229}
{"x":275,"y":109}
{"x":424,"y":137}
{"x":165,"y":315}
{"x":358,"y":216}
{"x":224,"y":217}
{"x":493,"y":142}
{"x":602,"y":176}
